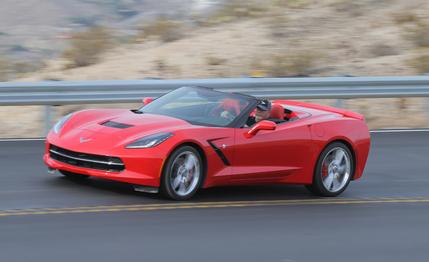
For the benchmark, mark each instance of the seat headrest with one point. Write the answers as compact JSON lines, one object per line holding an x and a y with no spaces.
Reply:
{"x":231,"y":104}
{"x":277,"y":112}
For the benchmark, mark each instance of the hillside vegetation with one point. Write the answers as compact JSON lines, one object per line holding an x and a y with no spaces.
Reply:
{"x":247,"y":38}
{"x":269,"y":38}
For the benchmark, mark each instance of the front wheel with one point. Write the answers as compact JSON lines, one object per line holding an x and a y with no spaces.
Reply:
{"x":182,"y":174}
{"x":334,"y":170}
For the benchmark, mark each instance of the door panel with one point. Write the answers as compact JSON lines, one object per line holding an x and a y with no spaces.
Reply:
{"x":271,"y":155}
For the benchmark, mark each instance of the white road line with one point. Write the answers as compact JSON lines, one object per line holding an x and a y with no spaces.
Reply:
{"x":21,"y":139}
{"x":399,"y":130}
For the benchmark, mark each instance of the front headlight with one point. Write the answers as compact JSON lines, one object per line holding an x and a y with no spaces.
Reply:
{"x":150,"y":141}
{"x":59,"y":125}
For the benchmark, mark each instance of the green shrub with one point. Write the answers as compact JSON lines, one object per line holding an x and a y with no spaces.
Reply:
{"x":86,"y":47}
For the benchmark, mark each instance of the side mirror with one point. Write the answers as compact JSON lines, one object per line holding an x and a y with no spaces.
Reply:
{"x":262,"y":125}
{"x":147,"y":100}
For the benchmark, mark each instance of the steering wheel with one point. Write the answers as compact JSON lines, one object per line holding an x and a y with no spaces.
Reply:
{"x":220,"y":111}
{"x":228,"y":115}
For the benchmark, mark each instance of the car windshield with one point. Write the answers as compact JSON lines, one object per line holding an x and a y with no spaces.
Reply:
{"x":200,"y":106}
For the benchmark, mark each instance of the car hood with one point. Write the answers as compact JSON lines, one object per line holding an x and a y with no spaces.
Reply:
{"x":117,"y":129}
{"x":131,"y":122}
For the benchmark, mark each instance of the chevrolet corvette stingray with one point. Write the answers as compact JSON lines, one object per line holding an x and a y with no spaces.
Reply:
{"x":197,"y":137}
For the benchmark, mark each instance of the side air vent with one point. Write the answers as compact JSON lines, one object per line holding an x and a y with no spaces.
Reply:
{"x":116,"y":125}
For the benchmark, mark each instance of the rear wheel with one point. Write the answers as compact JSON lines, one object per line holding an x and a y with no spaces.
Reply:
{"x":334,"y":170}
{"x":73,"y":175}
{"x":182,"y":174}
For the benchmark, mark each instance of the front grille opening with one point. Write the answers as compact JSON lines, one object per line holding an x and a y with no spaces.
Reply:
{"x":116,"y":125}
{"x":105,"y":163}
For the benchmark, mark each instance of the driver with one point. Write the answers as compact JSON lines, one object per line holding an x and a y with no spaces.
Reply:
{"x":263,"y":111}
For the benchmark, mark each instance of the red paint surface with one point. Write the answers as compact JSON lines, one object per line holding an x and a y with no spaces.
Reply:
{"x":285,"y":155}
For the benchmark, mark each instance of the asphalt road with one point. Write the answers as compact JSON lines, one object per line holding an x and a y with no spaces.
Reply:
{"x":382,"y":217}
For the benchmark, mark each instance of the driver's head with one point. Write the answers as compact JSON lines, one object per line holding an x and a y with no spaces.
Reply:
{"x":263,"y":110}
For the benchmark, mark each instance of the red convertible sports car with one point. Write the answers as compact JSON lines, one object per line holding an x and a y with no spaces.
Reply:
{"x":196,"y":137}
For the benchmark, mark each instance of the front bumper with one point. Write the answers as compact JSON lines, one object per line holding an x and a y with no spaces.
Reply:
{"x":142,"y":167}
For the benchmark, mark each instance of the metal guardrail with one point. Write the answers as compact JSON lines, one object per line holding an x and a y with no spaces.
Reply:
{"x":84,"y":92}
{"x":88,"y":92}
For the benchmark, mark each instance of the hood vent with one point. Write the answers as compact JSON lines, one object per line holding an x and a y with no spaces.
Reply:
{"x":116,"y":125}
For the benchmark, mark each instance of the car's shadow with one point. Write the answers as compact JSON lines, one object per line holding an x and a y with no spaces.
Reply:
{"x":265,"y":192}
{"x":226,"y":193}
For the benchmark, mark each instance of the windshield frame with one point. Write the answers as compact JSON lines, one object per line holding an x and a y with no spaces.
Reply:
{"x":236,"y":123}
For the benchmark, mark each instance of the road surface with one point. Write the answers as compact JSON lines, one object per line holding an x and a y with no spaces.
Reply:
{"x":382,"y":217}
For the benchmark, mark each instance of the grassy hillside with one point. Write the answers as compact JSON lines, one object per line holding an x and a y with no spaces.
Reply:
{"x":270,"y":38}
{"x":34,"y":30}
{"x":259,"y":38}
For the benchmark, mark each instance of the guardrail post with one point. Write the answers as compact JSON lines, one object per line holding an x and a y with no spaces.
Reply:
{"x":47,"y":119}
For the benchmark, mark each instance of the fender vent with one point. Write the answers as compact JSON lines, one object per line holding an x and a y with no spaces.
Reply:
{"x":219,"y":153}
{"x":116,"y":125}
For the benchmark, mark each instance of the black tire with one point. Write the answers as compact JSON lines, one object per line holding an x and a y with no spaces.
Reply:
{"x":73,"y":175}
{"x":166,"y":187}
{"x":318,"y":187}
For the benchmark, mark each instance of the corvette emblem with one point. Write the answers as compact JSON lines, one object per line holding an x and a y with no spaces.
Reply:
{"x":84,"y":140}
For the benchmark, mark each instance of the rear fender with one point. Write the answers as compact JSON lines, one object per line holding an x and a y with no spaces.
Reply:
{"x":355,"y":133}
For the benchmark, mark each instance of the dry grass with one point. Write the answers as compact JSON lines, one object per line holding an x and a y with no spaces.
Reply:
{"x":26,"y":67}
{"x":4,"y":69}
{"x":164,"y":29}
{"x":215,"y":61}
{"x":419,"y":34}
{"x":405,"y":17}
{"x":87,"y":46}
{"x":366,"y":46}
{"x":421,"y":63}
{"x":237,"y":10}
{"x":277,"y":24}
{"x":350,"y":7}
{"x":291,"y":3}
{"x":10,"y":69}
{"x":161,"y":66}
{"x":296,"y":64}
{"x":382,"y":49}
{"x":164,"y":69}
